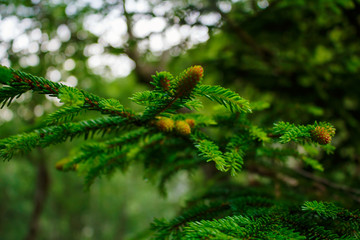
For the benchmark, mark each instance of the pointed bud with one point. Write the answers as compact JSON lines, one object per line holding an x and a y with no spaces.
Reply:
{"x":321,"y":135}
{"x":182,"y":128}
{"x":165,"y":124}
{"x":188,"y":80}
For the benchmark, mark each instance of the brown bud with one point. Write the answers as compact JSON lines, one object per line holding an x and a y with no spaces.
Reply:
{"x":321,"y":135}
{"x":182,"y":128}
{"x":165,"y":124}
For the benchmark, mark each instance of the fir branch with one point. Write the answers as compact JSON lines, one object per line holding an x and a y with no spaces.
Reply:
{"x":21,"y":82}
{"x":64,"y":114}
{"x":56,"y":134}
{"x":193,"y":105}
{"x":93,"y":102}
{"x":229,"y":228}
{"x":225,"y":97}
{"x":156,"y":110}
{"x":167,"y":107}
{"x":258,"y":133}
{"x":174,"y":227}
{"x":149,"y":98}
{"x":106,"y":163}
{"x":313,"y":163}
{"x":235,"y":152}
{"x":289,"y":132}
{"x":320,"y":133}
{"x":308,"y":226}
{"x":228,"y":216}
{"x":98,"y":159}
{"x":71,"y":96}
{"x":8,"y":94}
{"x":258,"y":218}
{"x":92,"y":150}
{"x":328,"y":210}
{"x":234,"y":161}
{"x":158,"y":102}
{"x":16,"y":78}
{"x":209,"y":151}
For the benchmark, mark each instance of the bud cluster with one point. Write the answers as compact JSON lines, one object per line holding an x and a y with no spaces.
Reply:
{"x":182,"y":127}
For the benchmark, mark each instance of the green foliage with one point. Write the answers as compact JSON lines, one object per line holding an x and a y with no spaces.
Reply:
{"x":235,"y":214}
{"x":64,"y":114}
{"x":163,"y":81}
{"x":234,"y":156}
{"x":5,"y":75}
{"x":148,"y":98}
{"x":112,"y":105}
{"x":56,"y":134}
{"x":8,"y":94}
{"x":295,"y":60}
{"x":133,"y":138}
{"x":21,"y":82}
{"x":313,"y":163}
{"x":224,"y":97}
{"x":258,"y":133}
{"x":71,"y":96}
{"x":210,"y":152}
{"x":157,"y":102}
{"x":290,"y":132}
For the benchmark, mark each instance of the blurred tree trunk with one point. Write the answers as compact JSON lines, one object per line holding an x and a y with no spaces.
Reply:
{"x":41,"y":193}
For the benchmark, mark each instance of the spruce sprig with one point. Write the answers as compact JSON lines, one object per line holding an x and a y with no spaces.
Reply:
{"x":154,"y":136}
{"x":56,"y":134}
{"x":19,"y":82}
{"x":160,"y":120}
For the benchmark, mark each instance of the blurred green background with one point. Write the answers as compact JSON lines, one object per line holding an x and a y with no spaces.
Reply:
{"x":300,"y":56}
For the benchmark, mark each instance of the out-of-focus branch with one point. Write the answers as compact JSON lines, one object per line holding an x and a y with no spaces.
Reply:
{"x":143,"y":71}
{"x":353,"y":16}
{"x":283,"y":176}
{"x":263,"y":171}
{"x":326,"y":182}
{"x":265,"y":54}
